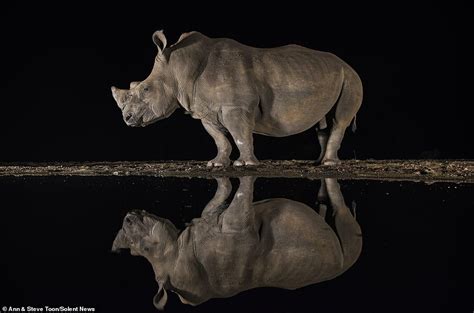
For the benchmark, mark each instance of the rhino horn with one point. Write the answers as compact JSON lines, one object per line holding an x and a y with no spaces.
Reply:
{"x":118,"y":95}
{"x":121,"y":242}
{"x":134,"y":84}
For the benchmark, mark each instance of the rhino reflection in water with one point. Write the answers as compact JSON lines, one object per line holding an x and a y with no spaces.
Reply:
{"x":271,"y":243}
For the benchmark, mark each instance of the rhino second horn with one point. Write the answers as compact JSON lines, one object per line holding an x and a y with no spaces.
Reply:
{"x":116,"y":93}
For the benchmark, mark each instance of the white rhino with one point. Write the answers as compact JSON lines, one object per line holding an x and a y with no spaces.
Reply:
{"x":243,"y":90}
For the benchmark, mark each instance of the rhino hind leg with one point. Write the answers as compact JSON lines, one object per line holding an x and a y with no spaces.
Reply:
{"x":223,"y":146}
{"x":346,"y":109}
{"x":333,"y":145}
{"x":240,"y":124}
{"x":322,"y":138}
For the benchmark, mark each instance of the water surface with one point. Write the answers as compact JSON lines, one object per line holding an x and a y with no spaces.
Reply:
{"x":57,"y":235}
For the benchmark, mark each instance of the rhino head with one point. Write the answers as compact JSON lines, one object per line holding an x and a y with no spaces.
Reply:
{"x":155,"y":239}
{"x":154,"y":98}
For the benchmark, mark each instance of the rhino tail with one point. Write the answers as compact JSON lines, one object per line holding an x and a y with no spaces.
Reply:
{"x":354,"y":125}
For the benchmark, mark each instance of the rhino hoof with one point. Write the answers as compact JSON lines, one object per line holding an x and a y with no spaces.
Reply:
{"x":331,"y":162}
{"x":217,"y":163}
{"x":214,"y":164}
{"x":247,"y":163}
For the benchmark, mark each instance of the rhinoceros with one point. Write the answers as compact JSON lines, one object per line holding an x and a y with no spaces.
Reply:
{"x":276,"y":242}
{"x":243,"y":90}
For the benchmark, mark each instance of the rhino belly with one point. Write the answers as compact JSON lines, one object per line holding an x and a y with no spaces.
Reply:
{"x":292,"y":117}
{"x":302,"y":249}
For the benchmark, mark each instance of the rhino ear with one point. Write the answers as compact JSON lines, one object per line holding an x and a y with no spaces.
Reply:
{"x":160,"y":299}
{"x":160,"y":41}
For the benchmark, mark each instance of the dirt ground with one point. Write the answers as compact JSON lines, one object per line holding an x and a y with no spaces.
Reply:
{"x":419,"y":170}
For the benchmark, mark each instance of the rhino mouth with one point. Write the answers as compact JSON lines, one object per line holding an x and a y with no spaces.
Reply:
{"x":140,"y":122}
{"x":136,"y":225}
{"x":144,"y":119}
{"x":136,"y":122}
{"x":153,"y":120}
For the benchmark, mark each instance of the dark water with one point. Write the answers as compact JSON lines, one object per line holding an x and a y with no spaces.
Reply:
{"x":57,"y":235}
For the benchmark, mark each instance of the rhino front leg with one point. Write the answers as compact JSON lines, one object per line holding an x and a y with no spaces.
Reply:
{"x":240,"y":124}
{"x":223,"y":146}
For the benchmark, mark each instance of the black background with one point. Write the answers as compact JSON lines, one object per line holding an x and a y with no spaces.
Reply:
{"x":59,"y":61}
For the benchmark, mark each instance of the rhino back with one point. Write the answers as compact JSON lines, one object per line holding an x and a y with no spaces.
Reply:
{"x":228,"y":78}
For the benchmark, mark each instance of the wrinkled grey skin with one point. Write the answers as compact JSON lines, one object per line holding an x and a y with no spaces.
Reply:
{"x":271,"y":243}
{"x":243,"y":90}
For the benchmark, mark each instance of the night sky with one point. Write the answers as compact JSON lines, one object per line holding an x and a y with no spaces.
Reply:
{"x":59,"y":61}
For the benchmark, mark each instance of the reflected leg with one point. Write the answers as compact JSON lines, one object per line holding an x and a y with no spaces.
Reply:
{"x":240,"y":215}
{"x":322,"y":199}
{"x":224,"y":187}
{"x":347,"y":228}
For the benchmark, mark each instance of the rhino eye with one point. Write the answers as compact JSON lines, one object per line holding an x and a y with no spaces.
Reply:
{"x":146,"y":89}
